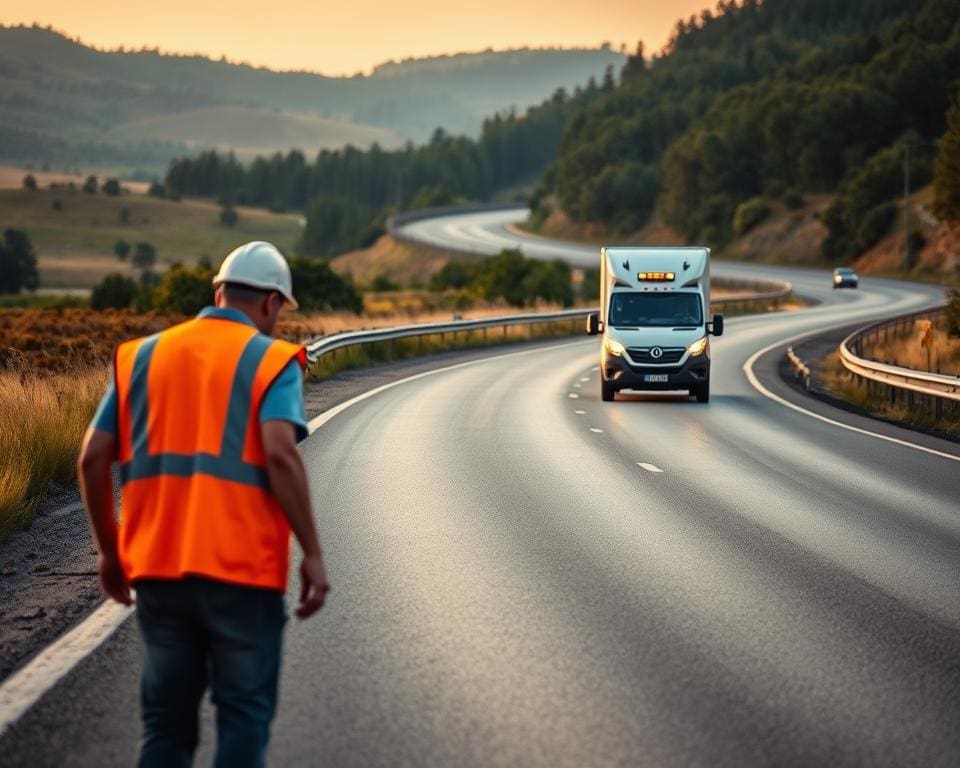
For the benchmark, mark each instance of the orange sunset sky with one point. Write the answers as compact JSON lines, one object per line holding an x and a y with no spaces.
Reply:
{"x":346,"y":37}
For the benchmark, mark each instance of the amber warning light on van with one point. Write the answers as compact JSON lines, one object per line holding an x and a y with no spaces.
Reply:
{"x":656,"y":277}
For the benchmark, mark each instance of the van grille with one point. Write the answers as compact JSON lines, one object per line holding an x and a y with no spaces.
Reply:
{"x":645,"y":356}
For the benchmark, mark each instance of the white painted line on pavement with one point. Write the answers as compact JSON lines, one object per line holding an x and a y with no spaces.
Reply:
{"x":752,"y":378}
{"x":597,"y":431}
{"x":595,"y":368}
{"x":580,"y":413}
{"x":22,"y":689}
{"x":585,"y":378}
{"x":573,"y":395}
{"x":649,"y":467}
{"x":578,"y":385}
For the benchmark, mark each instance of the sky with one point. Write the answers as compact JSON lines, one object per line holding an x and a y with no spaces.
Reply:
{"x":337,"y":38}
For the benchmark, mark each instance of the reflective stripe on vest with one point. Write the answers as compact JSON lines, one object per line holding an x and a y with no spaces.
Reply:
{"x":229,"y":464}
{"x":196,"y":495}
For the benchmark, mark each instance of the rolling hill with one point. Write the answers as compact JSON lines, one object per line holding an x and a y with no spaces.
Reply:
{"x":65,"y":103}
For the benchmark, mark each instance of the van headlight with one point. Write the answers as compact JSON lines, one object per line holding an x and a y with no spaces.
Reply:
{"x":698,"y":347}
{"x":614,"y":347}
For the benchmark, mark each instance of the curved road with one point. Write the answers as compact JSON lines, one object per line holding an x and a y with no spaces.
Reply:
{"x":524,"y":575}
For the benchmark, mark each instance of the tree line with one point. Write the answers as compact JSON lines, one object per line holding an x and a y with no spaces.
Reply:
{"x":769,"y":99}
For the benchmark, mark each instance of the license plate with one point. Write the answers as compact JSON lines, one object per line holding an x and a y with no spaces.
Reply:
{"x":656,"y":378}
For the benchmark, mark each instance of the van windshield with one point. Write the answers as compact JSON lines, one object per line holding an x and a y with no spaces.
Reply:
{"x":632,"y":310}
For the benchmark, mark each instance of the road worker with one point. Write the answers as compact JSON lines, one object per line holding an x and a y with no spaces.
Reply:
{"x":204,"y":419}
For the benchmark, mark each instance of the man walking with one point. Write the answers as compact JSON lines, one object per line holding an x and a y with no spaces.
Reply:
{"x":203,"y":419}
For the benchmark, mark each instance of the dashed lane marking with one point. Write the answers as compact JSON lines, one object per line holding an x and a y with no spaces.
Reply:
{"x":649,"y":467}
{"x":580,"y":413}
{"x":573,"y":395}
{"x":597,"y":431}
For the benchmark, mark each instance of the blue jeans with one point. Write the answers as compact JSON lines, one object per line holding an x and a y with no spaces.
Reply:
{"x":195,"y":631}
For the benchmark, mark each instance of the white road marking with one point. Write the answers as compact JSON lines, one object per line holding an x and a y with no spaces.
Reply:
{"x":649,"y":467}
{"x":578,"y":385}
{"x":598,"y":431}
{"x":595,"y":368}
{"x":20,"y":691}
{"x":585,"y":378}
{"x":752,"y":378}
{"x":573,"y":395}
{"x":580,"y":413}
{"x":23,"y":688}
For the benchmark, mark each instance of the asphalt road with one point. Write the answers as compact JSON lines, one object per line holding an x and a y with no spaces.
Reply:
{"x":512,"y":588}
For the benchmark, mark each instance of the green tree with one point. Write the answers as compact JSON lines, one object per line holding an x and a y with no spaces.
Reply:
{"x":115,"y":291}
{"x":90,"y":185}
{"x":29,"y":182}
{"x":111,"y":187}
{"x":953,"y":313}
{"x":318,"y":288}
{"x":946,"y":173}
{"x":183,"y":290}
{"x":157,"y":189}
{"x":144,"y":256}
{"x":121,"y":249}
{"x":229,"y":216}
{"x":18,"y":263}
{"x":338,"y":223}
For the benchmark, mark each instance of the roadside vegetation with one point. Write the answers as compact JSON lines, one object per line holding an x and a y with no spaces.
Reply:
{"x":901,"y":346}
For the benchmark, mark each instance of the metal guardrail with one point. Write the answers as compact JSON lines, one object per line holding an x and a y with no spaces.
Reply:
{"x":327,"y":344}
{"x":914,"y":388}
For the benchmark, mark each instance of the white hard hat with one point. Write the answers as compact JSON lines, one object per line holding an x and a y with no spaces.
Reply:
{"x":258,"y":265}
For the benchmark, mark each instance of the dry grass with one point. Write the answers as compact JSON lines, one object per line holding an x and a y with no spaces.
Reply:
{"x":42,"y":419}
{"x":839,"y":383}
{"x":901,"y":346}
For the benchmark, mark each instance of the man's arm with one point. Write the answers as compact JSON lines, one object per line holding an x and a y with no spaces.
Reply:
{"x":96,"y":487}
{"x":288,"y":483}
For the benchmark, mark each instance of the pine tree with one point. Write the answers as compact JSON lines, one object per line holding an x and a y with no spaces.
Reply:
{"x":946,"y":174}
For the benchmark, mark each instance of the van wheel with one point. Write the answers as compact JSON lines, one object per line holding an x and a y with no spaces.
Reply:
{"x":607,"y":391}
{"x":702,"y":392}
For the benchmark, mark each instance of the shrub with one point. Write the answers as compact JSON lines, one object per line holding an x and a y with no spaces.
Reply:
{"x":57,"y":204}
{"x":183,"y":290}
{"x":29,"y":181}
{"x":144,"y":256}
{"x":876,"y":223}
{"x":383,"y":283}
{"x":90,"y":185}
{"x":793,"y":199}
{"x":116,"y":291}
{"x":157,"y":189}
{"x":121,"y":249}
{"x":318,"y":287}
{"x":748,"y":215}
{"x":229,"y":216}
{"x":111,"y":187}
{"x":952,"y":313}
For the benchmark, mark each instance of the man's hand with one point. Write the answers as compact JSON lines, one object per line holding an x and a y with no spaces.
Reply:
{"x":112,"y":579}
{"x":313,"y":586}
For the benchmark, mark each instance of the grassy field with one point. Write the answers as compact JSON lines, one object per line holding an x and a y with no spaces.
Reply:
{"x":74,"y":246}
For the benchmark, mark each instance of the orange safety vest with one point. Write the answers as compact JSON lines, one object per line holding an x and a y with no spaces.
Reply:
{"x":196,"y":497}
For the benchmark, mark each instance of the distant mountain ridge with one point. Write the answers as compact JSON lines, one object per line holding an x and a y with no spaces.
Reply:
{"x":60,"y":99}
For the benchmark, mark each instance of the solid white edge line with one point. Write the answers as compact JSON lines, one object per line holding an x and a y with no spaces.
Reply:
{"x":755,"y":382}
{"x":25,"y":687}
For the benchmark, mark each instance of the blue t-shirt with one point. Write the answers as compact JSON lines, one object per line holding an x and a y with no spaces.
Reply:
{"x":283,"y":400}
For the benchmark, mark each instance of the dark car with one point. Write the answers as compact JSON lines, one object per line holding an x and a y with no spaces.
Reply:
{"x":844,"y":277}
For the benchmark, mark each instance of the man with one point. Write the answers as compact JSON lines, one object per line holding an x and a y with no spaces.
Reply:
{"x":203,"y":419}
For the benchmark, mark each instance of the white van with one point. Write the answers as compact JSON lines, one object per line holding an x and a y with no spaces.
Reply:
{"x":653,"y":320}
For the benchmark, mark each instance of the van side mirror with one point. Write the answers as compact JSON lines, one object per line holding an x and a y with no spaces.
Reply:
{"x":594,"y":326}
{"x":716,"y":327}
